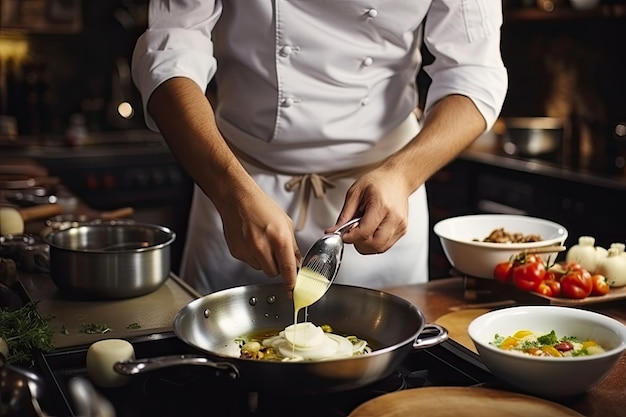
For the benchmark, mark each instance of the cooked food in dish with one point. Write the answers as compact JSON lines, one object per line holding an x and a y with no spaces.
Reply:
{"x":502,"y":236}
{"x":301,"y":342}
{"x":527,"y":342}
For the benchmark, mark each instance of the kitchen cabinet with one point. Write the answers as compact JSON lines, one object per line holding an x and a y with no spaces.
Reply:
{"x":569,"y":64}
{"x":41,"y":16}
{"x":487,"y":182}
{"x":562,"y":12}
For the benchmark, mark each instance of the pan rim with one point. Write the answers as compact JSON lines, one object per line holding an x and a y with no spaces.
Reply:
{"x":406,"y":342}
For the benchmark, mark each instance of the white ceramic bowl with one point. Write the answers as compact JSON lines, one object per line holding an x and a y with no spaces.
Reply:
{"x":478,"y":259}
{"x":549,"y":377}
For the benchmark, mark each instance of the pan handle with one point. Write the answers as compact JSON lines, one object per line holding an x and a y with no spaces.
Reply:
{"x":132,"y":367}
{"x":431,"y":335}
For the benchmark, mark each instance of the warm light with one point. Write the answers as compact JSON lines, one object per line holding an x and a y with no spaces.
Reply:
{"x":13,"y":51}
{"x":125,"y":109}
{"x":13,"y":47}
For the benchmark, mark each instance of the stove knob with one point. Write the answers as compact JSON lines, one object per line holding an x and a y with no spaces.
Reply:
{"x":108,"y":181}
{"x":159,"y":178}
{"x":142,"y":179}
{"x":92,"y":182}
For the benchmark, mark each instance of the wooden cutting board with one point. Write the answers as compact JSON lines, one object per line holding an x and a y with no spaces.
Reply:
{"x":456,"y":324}
{"x":460,"y":402}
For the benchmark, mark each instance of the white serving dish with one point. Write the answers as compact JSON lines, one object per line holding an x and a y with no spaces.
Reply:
{"x":460,"y":239}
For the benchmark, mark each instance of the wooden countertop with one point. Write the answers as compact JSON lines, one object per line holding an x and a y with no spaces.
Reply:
{"x":441,"y":297}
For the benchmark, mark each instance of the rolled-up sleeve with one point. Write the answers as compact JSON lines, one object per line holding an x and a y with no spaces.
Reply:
{"x":464,"y":38}
{"x":177,"y":43}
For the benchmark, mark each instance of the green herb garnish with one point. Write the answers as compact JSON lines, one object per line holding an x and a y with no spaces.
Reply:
{"x":548,"y":339}
{"x":133,"y":326}
{"x":94,"y":328}
{"x":25,"y":330}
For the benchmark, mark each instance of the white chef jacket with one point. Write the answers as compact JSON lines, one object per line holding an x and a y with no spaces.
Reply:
{"x":310,"y":86}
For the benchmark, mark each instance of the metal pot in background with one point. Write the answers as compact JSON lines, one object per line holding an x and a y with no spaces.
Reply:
{"x":109,"y":260}
{"x":532,"y":136}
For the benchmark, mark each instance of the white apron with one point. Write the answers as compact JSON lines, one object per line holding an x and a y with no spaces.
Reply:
{"x":208,"y":265}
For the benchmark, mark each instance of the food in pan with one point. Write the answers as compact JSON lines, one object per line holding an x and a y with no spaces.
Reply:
{"x":526,"y":342}
{"x":500,"y":235}
{"x":301,"y":342}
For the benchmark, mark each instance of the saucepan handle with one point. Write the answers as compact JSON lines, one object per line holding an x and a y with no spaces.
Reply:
{"x":431,"y":335}
{"x":132,"y":367}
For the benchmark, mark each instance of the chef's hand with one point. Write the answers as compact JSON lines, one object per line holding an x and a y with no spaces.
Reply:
{"x":380,"y":197}
{"x":260,"y":234}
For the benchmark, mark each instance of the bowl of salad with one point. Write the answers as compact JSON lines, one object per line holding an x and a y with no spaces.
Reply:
{"x":548,"y":351}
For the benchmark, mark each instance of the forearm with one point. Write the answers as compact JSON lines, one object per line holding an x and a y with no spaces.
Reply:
{"x":450,"y":127}
{"x":187,"y":122}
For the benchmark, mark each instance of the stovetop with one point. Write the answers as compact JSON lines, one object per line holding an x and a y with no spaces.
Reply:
{"x":192,"y":391}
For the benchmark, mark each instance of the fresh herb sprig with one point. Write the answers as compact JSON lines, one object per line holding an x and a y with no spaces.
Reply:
{"x":25,"y":330}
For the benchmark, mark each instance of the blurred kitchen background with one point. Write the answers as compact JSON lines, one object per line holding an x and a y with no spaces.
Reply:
{"x":67,"y":100}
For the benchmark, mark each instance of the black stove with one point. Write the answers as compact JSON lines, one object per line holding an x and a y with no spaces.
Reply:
{"x":191,"y":391}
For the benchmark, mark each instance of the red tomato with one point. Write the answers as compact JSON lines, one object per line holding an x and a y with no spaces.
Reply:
{"x":572,"y":266}
{"x":554,"y":285}
{"x":528,"y":276}
{"x":600,"y":285}
{"x":552,"y":275}
{"x":503,"y":271}
{"x":544,"y":289}
{"x":576,"y":283}
{"x":530,"y":258}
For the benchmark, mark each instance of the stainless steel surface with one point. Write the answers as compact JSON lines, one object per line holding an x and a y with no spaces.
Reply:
{"x":531,"y":136}
{"x":20,"y":390}
{"x":89,"y":402}
{"x":214,"y":323}
{"x":123,"y":246}
{"x":323,"y":258}
{"x":80,"y":266}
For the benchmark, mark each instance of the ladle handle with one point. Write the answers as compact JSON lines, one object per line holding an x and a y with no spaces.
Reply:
{"x":347,"y":225}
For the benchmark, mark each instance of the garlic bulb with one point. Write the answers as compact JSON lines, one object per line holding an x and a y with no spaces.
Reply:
{"x":613,"y":268}
{"x":620,"y":247}
{"x":584,"y":253}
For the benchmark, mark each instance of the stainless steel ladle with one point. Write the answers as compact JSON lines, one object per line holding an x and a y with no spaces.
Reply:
{"x":321,"y":265}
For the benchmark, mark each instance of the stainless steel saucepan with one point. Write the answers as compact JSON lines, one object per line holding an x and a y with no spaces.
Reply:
{"x":109,"y":260}
{"x":212,"y":324}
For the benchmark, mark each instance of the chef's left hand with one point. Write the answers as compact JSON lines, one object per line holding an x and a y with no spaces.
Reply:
{"x":380,"y":197}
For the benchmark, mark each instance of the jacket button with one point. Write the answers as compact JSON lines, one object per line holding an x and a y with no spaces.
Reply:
{"x":286,"y":50}
{"x":368,"y":61}
{"x":288,"y":102}
{"x":372,"y":13}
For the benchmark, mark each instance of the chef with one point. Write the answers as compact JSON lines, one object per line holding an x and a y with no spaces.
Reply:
{"x":315,"y":122}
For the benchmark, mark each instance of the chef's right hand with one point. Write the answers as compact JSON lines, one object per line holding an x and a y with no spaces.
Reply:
{"x":259,"y":233}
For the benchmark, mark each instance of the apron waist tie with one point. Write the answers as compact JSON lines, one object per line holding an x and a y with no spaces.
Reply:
{"x":304,"y":184}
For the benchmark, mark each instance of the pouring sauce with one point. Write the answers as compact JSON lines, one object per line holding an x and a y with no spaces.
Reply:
{"x":310,"y":287}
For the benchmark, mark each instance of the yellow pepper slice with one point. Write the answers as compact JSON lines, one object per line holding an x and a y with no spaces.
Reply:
{"x":551,"y":350}
{"x":509,"y":343}
{"x":589,"y":343}
{"x":520,"y":334}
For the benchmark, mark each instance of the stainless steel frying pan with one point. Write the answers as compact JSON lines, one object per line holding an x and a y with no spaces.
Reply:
{"x":213,"y":323}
